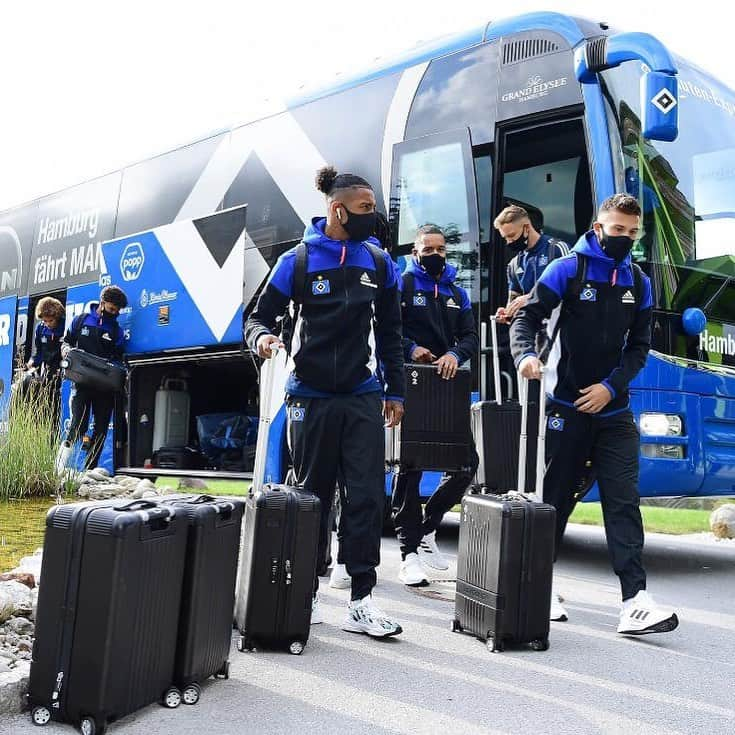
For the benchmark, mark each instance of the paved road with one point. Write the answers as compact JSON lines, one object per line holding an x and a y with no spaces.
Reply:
{"x":433,"y":681}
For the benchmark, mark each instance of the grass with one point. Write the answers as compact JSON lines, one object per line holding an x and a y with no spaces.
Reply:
{"x":29,"y":440}
{"x":656,"y":520}
{"x":214,"y":487}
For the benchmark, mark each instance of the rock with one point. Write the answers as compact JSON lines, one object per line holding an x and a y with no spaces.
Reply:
{"x":21,"y":626}
{"x":192,"y":483}
{"x":15,"y":599}
{"x":150,"y":494}
{"x":85,"y":489}
{"x":30,"y":565}
{"x":101,"y":471}
{"x":23,"y":577}
{"x":92,"y":477}
{"x":26,"y":646}
{"x":722,"y":521}
{"x":13,"y":686}
{"x":165,"y":490}
{"x":4,"y":668}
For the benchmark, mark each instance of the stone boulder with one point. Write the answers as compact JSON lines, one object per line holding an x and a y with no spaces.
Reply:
{"x":15,"y":600}
{"x":722,"y":521}
{"x":23,"y":577}
{"x":192,"y":483}
{"x":13,"y":687}
{"x":30,"y":565}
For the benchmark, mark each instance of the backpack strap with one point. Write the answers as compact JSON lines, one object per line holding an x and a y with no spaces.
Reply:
{"x":456,"y":293}
{"x":409,"y":283}
{"x":380,"y":265}
{"x":637,"y":282}
{"x":299,"y":274}
{"x":76,"y":326}
{"x":574,"y":289}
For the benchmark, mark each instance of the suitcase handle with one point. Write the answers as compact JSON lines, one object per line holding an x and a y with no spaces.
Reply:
{"x":267,"y":378}
{"x":523,"y":384}
{"x":496,"y":360}
{"x":201,"y":499}
{"x":172,"y":383}
{"x":137,"y":505}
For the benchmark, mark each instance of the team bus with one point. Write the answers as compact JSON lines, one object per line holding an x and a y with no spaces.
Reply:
{"x":550,"y":111}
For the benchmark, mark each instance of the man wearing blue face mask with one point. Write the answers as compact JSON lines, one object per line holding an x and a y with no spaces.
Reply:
{"x":438,"y":328}
{"x":599,"y":305}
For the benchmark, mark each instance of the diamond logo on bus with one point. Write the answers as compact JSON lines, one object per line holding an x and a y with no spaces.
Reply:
{"x":664,"y":101}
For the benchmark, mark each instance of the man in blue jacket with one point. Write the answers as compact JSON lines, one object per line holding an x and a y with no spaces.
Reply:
{"x":601,"y":303}
{"x":438,"y":328}
{"x":98,"y":333}
{"x":348,"y":375}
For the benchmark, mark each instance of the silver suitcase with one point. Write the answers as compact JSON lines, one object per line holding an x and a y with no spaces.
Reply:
{"x":171,"y":416}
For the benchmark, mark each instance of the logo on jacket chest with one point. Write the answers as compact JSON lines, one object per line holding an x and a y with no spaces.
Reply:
{"x":85,"y":332}
{"x":419,"y":299}
{"x":452,"y":304}
{"x":588,"y":294}
{"x":320,"y":286}
{"x":365,"y":280}
{"x":628,"y":298}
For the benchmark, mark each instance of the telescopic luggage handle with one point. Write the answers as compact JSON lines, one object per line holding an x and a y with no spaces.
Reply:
{"x":496,"y":359}
{"x":267,"y":378}
{"x":523,"y":384}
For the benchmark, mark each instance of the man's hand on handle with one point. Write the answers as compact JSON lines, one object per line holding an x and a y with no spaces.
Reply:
{"x":422,"y":355}
{"x":530,"y":368}
{"x":447,"y":366}
{"x":266,"y":344}
{"x":393,"y":412}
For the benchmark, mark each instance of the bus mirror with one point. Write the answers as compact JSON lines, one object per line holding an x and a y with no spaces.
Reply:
{"x":660,"y":106}
{"x":694,"y":321}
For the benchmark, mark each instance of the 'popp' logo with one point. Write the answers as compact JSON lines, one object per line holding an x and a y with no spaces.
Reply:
{"x":131,"y":263}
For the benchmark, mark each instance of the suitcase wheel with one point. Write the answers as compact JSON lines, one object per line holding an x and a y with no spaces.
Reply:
{"x":191,"y":694}
{"x":494,"y":646}
{"x":540,"y":644}
{"x":40,"y":715}
{"x":171,"y":698}
{"x":224,"y":672}
{"x":90,"y":726}
{"x":296,"y":648}
{"x":456,"y":627}
{"x":244,"y":644}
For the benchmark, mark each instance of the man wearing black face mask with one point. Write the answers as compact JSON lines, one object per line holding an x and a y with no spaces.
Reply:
{"x":98,"y":333}
{"x":601,"y":303}
{"x":438,"y":328}
{"x":342,"y":291}
{"x":533,"y":252}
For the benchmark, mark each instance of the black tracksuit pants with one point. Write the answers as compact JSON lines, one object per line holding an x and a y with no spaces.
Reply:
{"x":612,"y":445}
{"x":343,"y":436}
{"x":411,"y":525}
{"x":101,"y":404}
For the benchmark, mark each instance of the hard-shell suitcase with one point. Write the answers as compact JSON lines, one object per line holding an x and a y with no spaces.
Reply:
{"x":208,"y":595}
{"x":277,"y":568}
{"x":435,"y":431}
{"x":108,"y":600}
{"x":178,"y":458}
{"x":496,"y":429}
{"x":92,"y":371}
{"x":171,"y":414}
{"x":505,"y":558}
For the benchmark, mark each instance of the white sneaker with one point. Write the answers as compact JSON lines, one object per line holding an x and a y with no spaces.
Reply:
{"x":558,"y":611}
{"x":62,"y":457}
{"x":364,"y":616}
{"x":641,"y":615}
{"x":316,"y":611}
{"x":412,"y":573}
{"x":430,"y":554}
{"x":339,"y":579}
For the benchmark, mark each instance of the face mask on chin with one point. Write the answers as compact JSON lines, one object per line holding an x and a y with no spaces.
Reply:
{"x":520,"y":243}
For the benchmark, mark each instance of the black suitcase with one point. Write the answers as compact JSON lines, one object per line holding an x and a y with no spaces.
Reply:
{"x":434,"y":433}
{"x":496,"y":429}
{"x":208,"y":595}
{"x":505,"y":561}
{"x":277,"y":568}
{"x":93,"y":371}
{"x":109,"y":597}
{"x":178,"y":458}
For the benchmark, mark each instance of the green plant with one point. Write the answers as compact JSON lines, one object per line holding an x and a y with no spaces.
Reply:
{"x":29,"y":439}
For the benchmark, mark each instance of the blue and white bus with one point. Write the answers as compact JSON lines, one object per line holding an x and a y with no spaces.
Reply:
{"x":550,"y":111}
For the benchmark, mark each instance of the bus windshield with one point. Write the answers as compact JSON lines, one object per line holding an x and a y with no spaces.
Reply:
{"x":686,"y":188}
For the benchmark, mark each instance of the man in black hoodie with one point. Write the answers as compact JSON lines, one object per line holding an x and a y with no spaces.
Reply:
{"x":439,"y":329}
{"x":348,"y":375}
{"x":601,"y":303}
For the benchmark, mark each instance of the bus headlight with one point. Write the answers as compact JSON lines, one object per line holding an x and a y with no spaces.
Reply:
{"x":660,"y":424}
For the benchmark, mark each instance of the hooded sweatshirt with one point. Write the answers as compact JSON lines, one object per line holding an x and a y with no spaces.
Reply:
{"x":433,"y":317}
{"x":347,"y":323}
{"x":605,"y":331}
{"x":97,"y":334}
